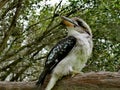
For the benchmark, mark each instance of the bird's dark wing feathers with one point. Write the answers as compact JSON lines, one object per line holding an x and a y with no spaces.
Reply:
{"x":59,"y":51}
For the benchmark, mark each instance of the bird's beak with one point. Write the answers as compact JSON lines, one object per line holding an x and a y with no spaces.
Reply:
{"x":69,"y":22}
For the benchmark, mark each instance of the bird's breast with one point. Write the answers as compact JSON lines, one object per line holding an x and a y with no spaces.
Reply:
{"x":76,"y":58}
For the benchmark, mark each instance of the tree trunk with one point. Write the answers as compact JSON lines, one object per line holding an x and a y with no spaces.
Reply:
{"x":87,"y":81}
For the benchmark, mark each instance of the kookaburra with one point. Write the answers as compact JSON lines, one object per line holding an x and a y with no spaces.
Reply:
{"x":70,"y":54}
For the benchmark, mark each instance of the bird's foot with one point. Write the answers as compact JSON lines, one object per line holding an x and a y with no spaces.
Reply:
{"x":76,"y":72}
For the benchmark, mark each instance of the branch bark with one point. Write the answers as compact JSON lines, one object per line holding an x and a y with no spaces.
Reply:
{"x":87,"y":81}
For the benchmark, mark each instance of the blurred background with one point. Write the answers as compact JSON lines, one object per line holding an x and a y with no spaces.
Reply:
{"x":30,"y":28}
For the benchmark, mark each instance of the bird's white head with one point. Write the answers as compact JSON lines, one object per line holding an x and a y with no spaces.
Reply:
{"x":77,"y":24}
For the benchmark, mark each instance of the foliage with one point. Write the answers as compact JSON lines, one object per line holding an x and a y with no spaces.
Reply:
{"x":29,"y":29}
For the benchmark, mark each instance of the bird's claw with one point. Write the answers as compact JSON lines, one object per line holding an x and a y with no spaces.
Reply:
{"x":75,"y":73}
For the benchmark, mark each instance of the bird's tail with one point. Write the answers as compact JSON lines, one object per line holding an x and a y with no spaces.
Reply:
{"x":41,"y":78}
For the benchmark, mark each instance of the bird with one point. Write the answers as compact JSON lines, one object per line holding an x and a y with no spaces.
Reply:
{"x":70,"y":54}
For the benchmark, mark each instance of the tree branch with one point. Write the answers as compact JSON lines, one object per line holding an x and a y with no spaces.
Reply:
{"x":2,"y":3}
{"x":12,"y":26}
{"x":87,"y":81}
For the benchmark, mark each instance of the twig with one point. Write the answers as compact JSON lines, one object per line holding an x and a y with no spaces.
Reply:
{"x":11,"y":28}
